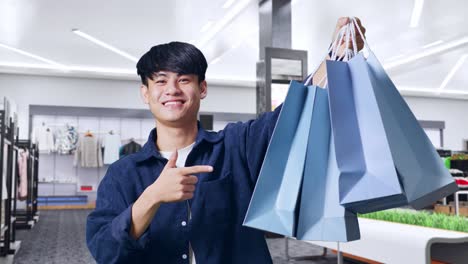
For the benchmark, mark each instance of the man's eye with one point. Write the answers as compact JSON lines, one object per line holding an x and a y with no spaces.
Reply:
{"x":184,"y":80}
{"x":160,"y":81}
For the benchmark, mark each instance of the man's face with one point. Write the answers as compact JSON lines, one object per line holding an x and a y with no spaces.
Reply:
{"x":174,"y":99}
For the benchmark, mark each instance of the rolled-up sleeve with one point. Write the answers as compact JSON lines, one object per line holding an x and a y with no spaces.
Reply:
{"x":108,"y":226}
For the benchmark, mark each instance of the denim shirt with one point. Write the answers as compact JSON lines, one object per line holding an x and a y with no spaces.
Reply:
{"x":218,"y":207}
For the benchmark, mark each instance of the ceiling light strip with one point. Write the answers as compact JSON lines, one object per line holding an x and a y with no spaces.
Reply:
{"x":228,"y":4}
{"x":215,"y":60}
{"x":67,"y":68}
{"x":417,"y":11}
{"x":452,"y":72}
{"x":427,"y":53}
{"x":31,"y":66}
{"x":207,"y":26}
{"x":28,"y":54}
{"x":104,"y":45}
{"x":432,"y":91}
{"x":435,"y":43}
{"x":227,"y":19}
{"x":235,"y":45}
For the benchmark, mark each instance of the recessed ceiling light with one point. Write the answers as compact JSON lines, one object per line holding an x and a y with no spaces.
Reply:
{"x":228,"y":4}
{"x":417,"y":11}
{"x":104,"y":45}
{"x":452,"y":72}
{"x":28,"y":54}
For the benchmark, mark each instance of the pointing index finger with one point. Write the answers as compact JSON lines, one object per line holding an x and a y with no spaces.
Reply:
{"x":196,"y":169}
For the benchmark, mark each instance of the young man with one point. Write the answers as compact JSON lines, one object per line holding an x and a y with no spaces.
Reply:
{"x":185,"y":194}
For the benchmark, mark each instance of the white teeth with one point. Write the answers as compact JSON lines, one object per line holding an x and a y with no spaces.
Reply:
{"x":173,"y":103}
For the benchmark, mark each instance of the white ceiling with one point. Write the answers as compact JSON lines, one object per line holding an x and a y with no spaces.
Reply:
{"x":43,"y":28}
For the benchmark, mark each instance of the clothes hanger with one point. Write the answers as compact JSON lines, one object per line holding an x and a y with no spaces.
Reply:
{"x":88,"y":134}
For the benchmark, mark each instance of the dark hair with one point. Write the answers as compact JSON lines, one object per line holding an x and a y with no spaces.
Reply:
{"x":179,"y":57}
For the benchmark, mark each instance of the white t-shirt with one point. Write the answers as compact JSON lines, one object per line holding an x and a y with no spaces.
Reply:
{"x":180,"y":162}
{"x":45,"y":139}
{"x":111,"y":144}
{"x":181,"y":155}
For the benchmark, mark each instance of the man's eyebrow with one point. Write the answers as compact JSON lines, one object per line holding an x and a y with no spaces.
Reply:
{"x":163,"y":74}
{"x":159,"y":74}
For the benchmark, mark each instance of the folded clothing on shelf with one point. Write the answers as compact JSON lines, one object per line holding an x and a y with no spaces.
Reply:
{"x":462,"y":182}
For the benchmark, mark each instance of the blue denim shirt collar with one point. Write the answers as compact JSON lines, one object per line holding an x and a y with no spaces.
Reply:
{"x":150,"y":150}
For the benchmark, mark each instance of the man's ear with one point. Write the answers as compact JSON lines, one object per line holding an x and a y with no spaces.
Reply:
{"x":144,"y":92}
{"x":203,"y":89}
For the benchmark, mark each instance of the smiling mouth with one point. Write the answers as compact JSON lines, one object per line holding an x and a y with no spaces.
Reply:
{"x":173,"y":103}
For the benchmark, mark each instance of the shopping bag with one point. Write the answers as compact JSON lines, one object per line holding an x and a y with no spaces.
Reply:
{"x":422,"y":173}
{"x":273,"y":203}
{"x":321,"y":217}
{"x":368,"y":180}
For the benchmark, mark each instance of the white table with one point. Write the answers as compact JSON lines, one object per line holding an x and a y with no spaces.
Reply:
{"x":400,"y":243}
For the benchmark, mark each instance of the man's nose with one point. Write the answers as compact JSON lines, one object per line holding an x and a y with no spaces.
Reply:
{"x":172,"y":88}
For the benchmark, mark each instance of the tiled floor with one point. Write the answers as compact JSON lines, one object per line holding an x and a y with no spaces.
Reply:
{"x":59,"y":238}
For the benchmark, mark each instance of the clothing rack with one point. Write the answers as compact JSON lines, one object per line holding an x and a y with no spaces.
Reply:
{"x":28,"y":217}
{"x":15,"y":191}
{"x":8,"y":155}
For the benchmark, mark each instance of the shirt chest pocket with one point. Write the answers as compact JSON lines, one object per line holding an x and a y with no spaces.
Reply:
{"x":217,"y":201}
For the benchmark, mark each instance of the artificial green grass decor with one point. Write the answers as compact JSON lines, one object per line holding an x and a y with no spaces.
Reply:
{"x":421,"y":218}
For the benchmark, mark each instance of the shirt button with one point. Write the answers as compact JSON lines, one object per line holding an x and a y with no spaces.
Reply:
{"x":184,"y":223}
{"x":184,"y":256}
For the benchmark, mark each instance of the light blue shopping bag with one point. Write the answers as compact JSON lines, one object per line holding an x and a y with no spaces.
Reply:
{"x":368,"y":180}
{"x":273,"y":203}
{"x":422,"y":173}
{"x":321,"y":217}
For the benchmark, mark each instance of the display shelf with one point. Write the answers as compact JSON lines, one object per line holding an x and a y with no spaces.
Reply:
{"x":56,"y":182}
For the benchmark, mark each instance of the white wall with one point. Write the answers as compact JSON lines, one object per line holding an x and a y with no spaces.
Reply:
{"x":454,"y":112}
{"x":63,"y":91}
{"x":44,"y":90}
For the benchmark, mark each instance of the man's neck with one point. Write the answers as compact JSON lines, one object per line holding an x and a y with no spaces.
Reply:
{"x":171,"y":138}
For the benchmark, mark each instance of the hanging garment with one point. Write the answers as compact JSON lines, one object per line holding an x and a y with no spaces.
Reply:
{"x":111,"y":144}
{"x":88,"y":152}
{"x":44,"y":137}
{"x":5,"y":164}
{"x":129,"y":148}
{"x":23,"y":174}
{"x":66,"y":139}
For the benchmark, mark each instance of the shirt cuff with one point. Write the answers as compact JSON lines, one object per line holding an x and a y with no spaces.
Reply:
{"x":121,"y":226}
